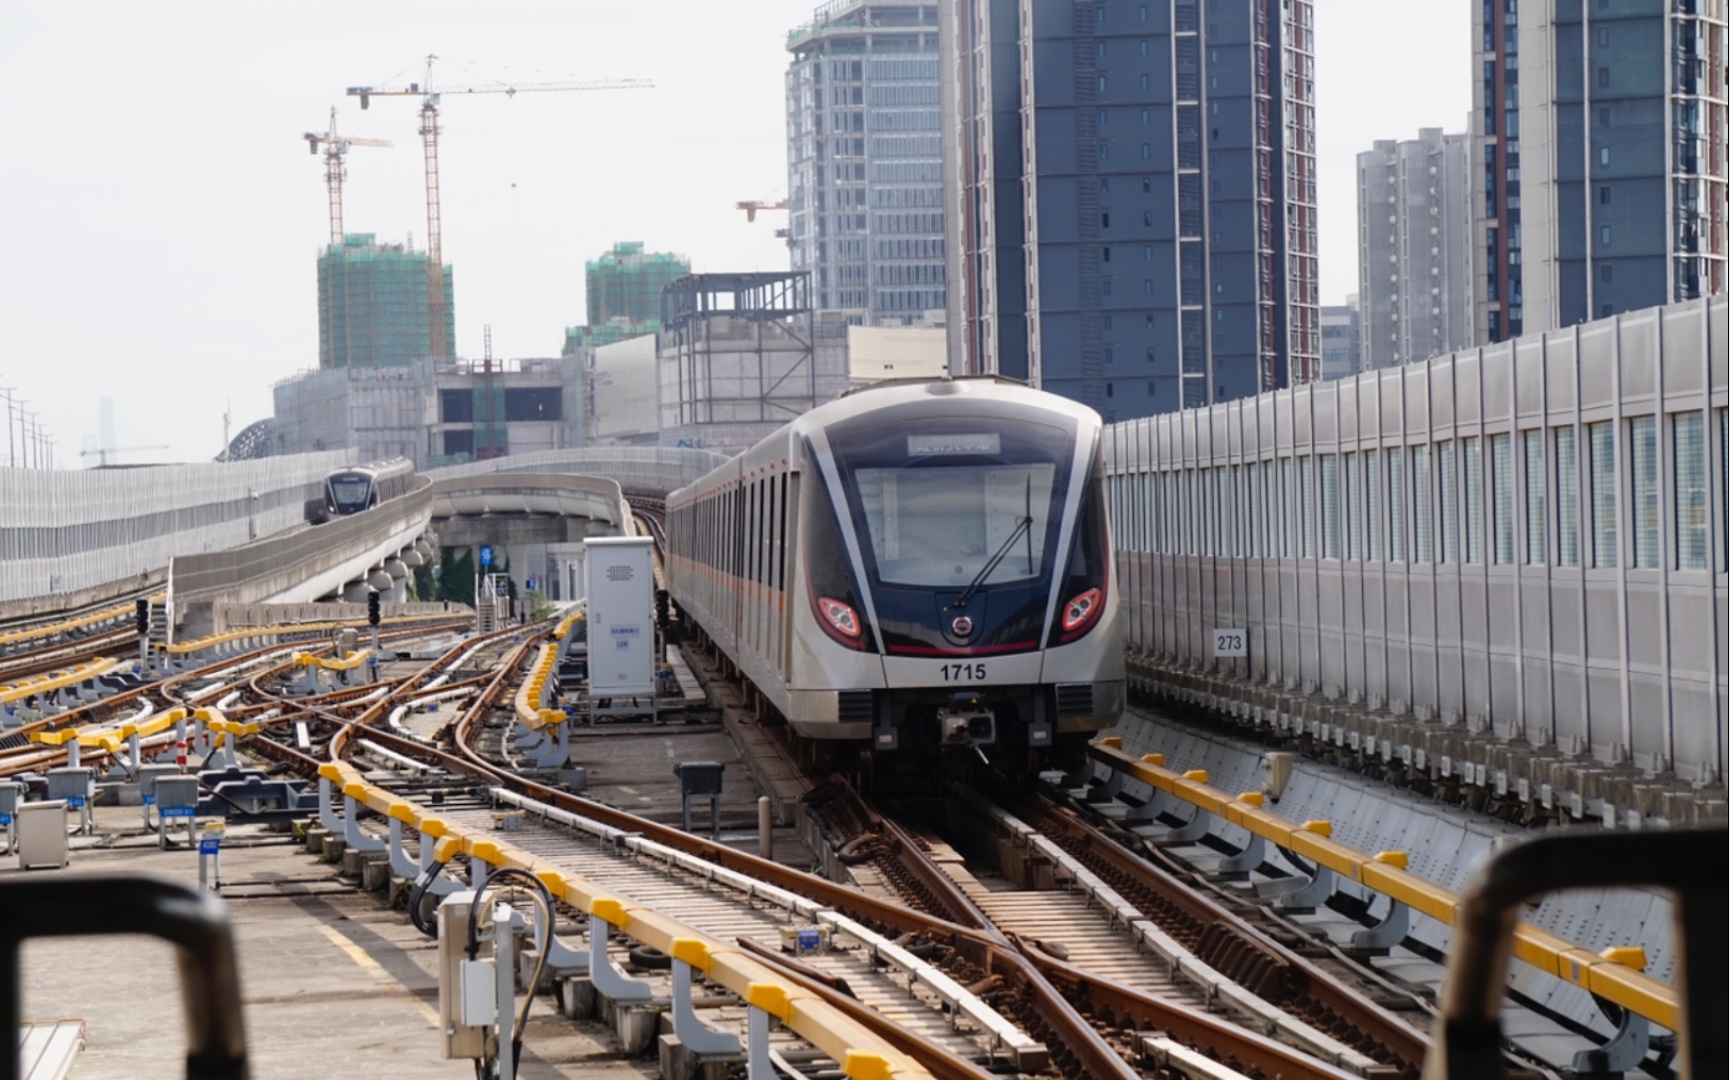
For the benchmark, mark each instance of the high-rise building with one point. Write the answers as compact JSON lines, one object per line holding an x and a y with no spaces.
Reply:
{"x":865,"y":160}
{"x":1341,"y":352}
{"x":372,"y":304}
{"x":622,"y":292}
{"x":1600,"y":130}
{"x":1414,"y":248}
{"x":1132,"y":220}
{"x":626,"y":282}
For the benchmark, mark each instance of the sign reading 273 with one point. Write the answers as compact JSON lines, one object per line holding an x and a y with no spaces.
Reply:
{"x":1230,"y":641}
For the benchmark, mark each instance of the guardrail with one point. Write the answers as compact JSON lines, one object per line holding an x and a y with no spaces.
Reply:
{"x":257,"y":571}
{"x":859,"y":1053}
{"x":1607,"y":974}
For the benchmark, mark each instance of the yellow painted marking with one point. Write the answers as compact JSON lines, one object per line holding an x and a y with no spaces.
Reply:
{"x":376,"y":970}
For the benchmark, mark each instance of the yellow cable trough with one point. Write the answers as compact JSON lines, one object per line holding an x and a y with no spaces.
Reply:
{"x":110,"y":736}
{"x":860,"y":1054}
{"x":56,"y":680}
{"x":246,"y":632}
{"x":1606,"y":974}
{"x":108,"y":614}
{"x":528,"y":696}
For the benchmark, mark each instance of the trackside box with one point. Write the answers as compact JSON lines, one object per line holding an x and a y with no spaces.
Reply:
{"x":621,"y":615}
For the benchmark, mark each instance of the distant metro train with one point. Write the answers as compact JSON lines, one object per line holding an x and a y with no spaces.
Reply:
{"x":362,"y":487}
{"x":916,"y":566}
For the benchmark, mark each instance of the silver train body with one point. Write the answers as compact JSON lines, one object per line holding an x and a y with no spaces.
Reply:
{"x":362,"y":487}
{"x":916,"y":564}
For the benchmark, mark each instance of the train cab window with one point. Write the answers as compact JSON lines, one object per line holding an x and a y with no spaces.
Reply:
{"x":938,"y":499}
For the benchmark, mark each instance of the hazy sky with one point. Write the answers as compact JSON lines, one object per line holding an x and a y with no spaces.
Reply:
{"x":162,"y":216}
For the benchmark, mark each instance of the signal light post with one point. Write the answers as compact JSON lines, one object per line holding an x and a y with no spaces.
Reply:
{"x":372,"y":618}
{"x":141,"y":610}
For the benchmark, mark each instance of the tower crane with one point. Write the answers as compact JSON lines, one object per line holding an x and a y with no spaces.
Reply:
{"x":429,"y":133}
{"x":752,"y":206}
{"x":335,"y":149}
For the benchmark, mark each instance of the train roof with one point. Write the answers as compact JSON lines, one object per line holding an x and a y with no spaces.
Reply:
{"x":980,"y":388}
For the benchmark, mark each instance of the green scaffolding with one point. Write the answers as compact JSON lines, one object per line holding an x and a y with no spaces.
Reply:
{"x":372,"y":304}
{"x":610,"y":332}
{"x":626,"y":282}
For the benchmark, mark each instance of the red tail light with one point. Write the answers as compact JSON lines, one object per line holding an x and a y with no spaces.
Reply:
{"x":841,"y":618}
{"x":1081,"y":610}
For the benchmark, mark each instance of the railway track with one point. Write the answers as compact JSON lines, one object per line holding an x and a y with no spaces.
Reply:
{"x":228,"y":676}
{"x":1100,"y":953}
{"x":61,"y":654}
{"x":1066,"y":1021}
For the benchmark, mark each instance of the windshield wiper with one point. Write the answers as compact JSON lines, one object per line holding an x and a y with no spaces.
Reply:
{"x":985,"y":571}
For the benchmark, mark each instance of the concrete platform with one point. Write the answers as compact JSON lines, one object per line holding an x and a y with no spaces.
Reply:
{"x":334,"y":982}
{"x":630,"y":767}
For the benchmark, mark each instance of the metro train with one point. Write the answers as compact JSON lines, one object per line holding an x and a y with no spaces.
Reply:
{"x":916,"y":567}
{"x":362,"y":487}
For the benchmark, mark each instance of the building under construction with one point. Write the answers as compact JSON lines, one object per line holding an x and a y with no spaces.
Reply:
{"x":739,"y":355}
{"x":372,"y":304}
{"x":434,"y":412}
{"x":622,"y":290}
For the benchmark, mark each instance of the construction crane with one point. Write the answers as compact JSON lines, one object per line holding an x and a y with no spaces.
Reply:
{"x":335,"y":149}
{"x":751,"y":206}
{"x":101,"y":455}
{"x":429,"y":133}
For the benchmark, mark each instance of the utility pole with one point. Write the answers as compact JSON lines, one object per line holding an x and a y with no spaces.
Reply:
{"x":11,"y":447}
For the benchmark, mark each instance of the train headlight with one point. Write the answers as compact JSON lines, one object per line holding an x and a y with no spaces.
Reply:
{"x":1081,"y":610}
{"x":842,"y":618}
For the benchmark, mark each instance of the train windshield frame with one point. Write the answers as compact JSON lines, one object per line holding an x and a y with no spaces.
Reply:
{"x":935,"y":498}
{"x":350,"y":492}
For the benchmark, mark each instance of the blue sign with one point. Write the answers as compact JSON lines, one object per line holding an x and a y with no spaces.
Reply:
{"x":5,"y":819}
{"x":210,"y":845}
{"x":148,"y":798}
{"x":809,"y":939}
{"x":76,"y":802}
{"x":486,"y":554}
{"x":531,"y":584}
{"x":179,"y":811}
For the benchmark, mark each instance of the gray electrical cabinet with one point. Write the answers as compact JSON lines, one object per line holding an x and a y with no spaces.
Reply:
{"x":42,"y":843}
{"x":621,"y":615}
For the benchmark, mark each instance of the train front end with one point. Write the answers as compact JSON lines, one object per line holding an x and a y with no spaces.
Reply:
{"x":958,"y":568}
{"x":349,"y":491}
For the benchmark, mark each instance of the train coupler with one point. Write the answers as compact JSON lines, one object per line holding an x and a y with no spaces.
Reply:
{"x":966,"y":721}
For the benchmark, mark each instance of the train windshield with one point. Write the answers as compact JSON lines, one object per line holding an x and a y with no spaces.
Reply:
{"x":957,"y":503}
{"x":348,"y":493}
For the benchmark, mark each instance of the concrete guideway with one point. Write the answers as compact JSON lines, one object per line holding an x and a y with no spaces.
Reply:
{"x":648,"y":470}
{"x":308,"y":562}
{"x":296,"y":566}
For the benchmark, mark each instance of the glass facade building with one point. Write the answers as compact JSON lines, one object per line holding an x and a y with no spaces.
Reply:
{"x":1606,"y":119}
{"x":1134,"y":212}
{"x":865,"y":161}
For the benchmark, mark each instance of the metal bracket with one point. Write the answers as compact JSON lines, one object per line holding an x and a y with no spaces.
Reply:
{"x":1623,"y":1053}
{"x":612,"y":983}
{"x":697,"y":1036}
{"x":1304,"y":894}
{"x":1387,"y":933}
{"x":351,"y":834}
{"x":1245,"y":861}
{"x":758,"y":1065}
{"x":1187,"y":833}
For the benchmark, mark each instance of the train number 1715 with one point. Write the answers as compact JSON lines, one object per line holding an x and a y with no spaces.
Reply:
{"x":963,"y":672}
